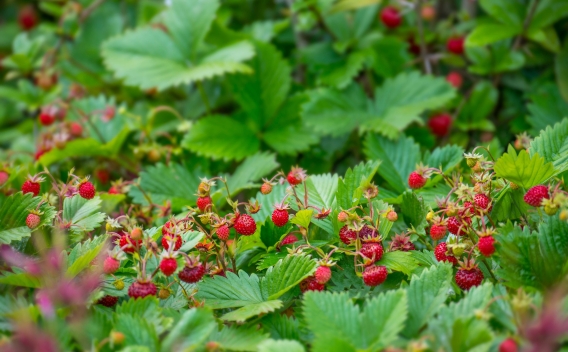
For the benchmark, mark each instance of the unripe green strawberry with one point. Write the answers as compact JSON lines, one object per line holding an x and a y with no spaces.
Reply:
{"x":33,"y":220}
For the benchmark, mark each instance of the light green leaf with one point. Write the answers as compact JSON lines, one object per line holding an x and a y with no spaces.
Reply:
{"x":346,"y":5}
{"x":137,"y":331}
{"x":490,"y":32}
{"x":509,"y":205}
{"x":221,"y":137}
{"x":189,"y":22}
{"x":13,"y":213}
{"x":399,"y":261}
{"x":287,"y":273}
{"x":83,"y":213}
{"x":349,"y":189}
{"x":231,"y":291}
{"x":251,"y":310}
{"x":383,"y":318}
{"x":190,"y":240}
{"x":548,"y":12}
{"x":83,"y":254}
{"x":251,"y":170}
{"x":19,"y":278}
{"x":552,"y":144}
{"x":522,"y":169}
{"x":238,"y":338}
{"x":149,"y":309}
{"x":342,"y":73}
{"x":281,"y":346}
{"x":445,"y":158}
{"x":191,"y":331}
{"x":303,"y":218}
{"x":399,"y":158}
{"x":413,"y":210}
{"x":426,"y":293}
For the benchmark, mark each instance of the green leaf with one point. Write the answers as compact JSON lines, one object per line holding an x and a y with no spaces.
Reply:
{"x":413,"y":210}
{"x":85,"y":147}
{"x":251,"y":170}
{"x":509,"y":12}
{"x":349,"y":189}
{"x":83,"y":214}
{"x":341,"y":74}
{"x":262,"y":93}
{"x":445,"y":158}
{"x":14,"y":211}
{"x":477,"y":108}
{"x":561,"y":70}
{"x":398,"y":103}
{"x":149,"y":309}
{"x":346,"y":5}
{"x":522,"y":169}
{"x":509,"y":205}
{"x":547,"y":107}
{"x":238,"y":338}
{"x":191,"y":331}
{"x":548,"y":12}
{"x":338,"y":324}
{"x":188,"y":23}
{"x":321,"y":193}
{"x":489,"y":32}
{"x":496,"y":58}
{"x":280,"y":346}
{"x":83,"y":254}
{"x":390,"y":56}
{"x":174,"y":183}
{"x":552,"y":144}
{"x":286,"y":274}
{"x":19,"y":278}
{"x":221,"y":137}
{"x":303,"y":218}
{"x":231,"y":291}
{"x":398,"y":158}
{"x":399,"y":261}
{"x":426,"y":294}
{"x":251,"y":310}
{"x":137,"y":331}
{"x":177,"y":57}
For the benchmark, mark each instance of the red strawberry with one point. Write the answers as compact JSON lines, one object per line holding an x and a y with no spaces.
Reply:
{"x":266,"y":188}
{"x":140,"y":289}
{"x":76,"y":129}
{"x":46,"y":119}
{"x":535,"y":195}
{"x":38,"y":154}
{"x":27,"y":17}
{"x":468,"y":210}
{"x":203,"y":203}
{"x":288,"y":240}
{"x":455,"y":45}
{"x":111,"y":265}
{"x":192,"y":274}
{"x":456,"y":227}
{"x":108,"y":301}
{"x":168,"y":266}
{"x":280,"y":216}
{"x":482,"y":201}
{"x":87,"y":190}
{"x":322,"y":274}
{"x":374,"y":275}
{"x":102,"y":175}
{"x":245,"y":225}
{"x":437,"y":232}
{"x":346,"y":235}
{"x":441,"y":254}
{"x":455,"y":79}
{"x":168,"y":228}
{"x":372,"y":250}
{"x":486,"y":245}
{"x":166,"y":242}
{"x":4,"y":176}
{"x":296,"y":176}
{"x":392,"y":216}
{"x":440,"y":124}
{"x":468,"y":277}
{"x":31,"y":187}
{"x":113,"y":190}
{"x":367,"y":233}
{"x":390,"y":17}
{"x":310,"y":284}
{"x":33,"y":220}
{"x":416,"y":181}
{"x":127,"y":244}
{"x":508,"y":345}
{"x":223,"y":232}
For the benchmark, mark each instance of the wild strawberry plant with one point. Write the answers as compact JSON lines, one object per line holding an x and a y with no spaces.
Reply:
{"x":297,"y":175}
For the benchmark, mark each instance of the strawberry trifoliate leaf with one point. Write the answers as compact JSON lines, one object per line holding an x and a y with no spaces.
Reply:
{"x":251,"y":310}
{"x":82,"y":214}
{"x":523,"y":169}
{"x":271,"y":345}
{"x":399,"y":261}
{"x":14,"y":211}
{"x":349,"y":188}
{"x":83,"y":254}
{"x":286,"y":274}
{"x":242,"y":338}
